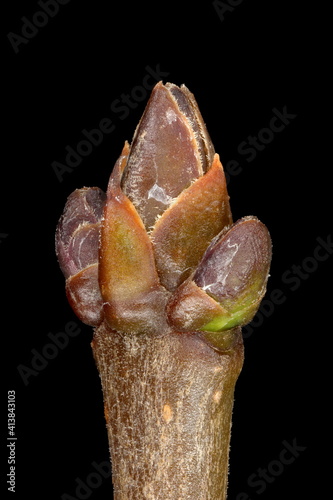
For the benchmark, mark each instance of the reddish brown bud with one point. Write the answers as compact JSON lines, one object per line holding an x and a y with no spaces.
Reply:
{"x":234,"y":271}
{"x":77,"y":246}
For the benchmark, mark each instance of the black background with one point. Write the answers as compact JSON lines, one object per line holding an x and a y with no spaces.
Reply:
{"x":262,"y":55}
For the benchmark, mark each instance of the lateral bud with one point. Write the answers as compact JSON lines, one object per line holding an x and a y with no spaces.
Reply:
{"x":77,"y":243}
{"x":226,"y":290}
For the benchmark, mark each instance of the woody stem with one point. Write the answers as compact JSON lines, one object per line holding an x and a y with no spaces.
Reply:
{"x":168,"y":401}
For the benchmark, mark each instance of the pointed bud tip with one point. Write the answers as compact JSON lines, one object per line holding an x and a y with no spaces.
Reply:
{"x":171,"y":148}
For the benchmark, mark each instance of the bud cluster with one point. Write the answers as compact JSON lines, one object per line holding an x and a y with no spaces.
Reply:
{"x":160,"y":247}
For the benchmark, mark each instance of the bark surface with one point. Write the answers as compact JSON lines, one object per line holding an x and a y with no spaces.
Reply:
{"x":168,"y":402}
